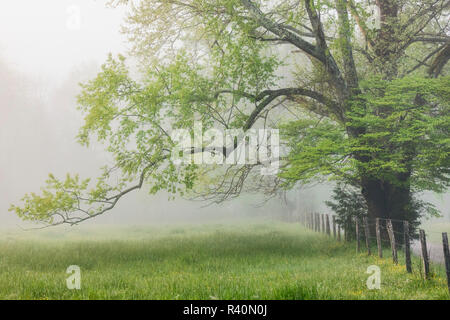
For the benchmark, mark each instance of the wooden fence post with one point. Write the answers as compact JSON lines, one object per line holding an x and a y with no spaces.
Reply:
{"x":447,"y":257}
{"x":314,"y":219}
{"x":339,"y":232}
{"x":392,"y":240}
{"x":349,"y":227}
{"x":357,"y":235}
{"x":425,"y":260}
{"x":407,"y":246}
{"x":334,"y":226}
{"x":378,"y":233}
{"x":367,"y":234}
{"x":328,"y":224}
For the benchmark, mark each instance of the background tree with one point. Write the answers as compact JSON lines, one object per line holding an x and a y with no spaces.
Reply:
{"x":348,"y":204}
{"x":359,"y":100}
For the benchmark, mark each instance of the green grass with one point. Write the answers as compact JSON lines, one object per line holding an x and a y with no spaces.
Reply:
{"x":253,"y":261}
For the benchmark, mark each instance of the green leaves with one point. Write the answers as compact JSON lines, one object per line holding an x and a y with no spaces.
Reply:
{"x":399,"y":135}
{"x":318,"y":149}
{"x":101,"y":96}
{"x":407,"y":126}
{"x":57,"y":198}
{"x":211,"y":60}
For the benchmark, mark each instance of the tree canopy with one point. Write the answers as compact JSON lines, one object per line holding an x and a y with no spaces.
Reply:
{"x":359,"y":90}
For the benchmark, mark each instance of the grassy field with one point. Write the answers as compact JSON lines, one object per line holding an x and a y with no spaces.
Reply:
{"x":252,"y":261}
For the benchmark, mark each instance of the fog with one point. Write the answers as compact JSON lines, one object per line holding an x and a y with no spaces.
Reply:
{"x":44,"y":54}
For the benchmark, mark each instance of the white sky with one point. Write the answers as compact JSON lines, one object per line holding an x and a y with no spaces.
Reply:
{"x":40,"y":37}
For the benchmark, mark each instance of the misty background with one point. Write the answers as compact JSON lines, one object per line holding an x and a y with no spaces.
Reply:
{"x":44,"y":54}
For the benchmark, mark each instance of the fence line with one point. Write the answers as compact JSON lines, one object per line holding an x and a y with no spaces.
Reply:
{"x":321,"y":223}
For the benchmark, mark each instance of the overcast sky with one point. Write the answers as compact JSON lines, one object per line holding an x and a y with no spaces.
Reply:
{"x":46,"y":48}
{"x":44,"y":39}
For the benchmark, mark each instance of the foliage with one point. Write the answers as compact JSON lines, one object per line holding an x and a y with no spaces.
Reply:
{"x":359,"y":103}
{"x":348,"y":204}
{"x":410,"y":138}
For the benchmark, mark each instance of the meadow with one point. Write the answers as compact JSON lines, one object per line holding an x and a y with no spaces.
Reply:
{"x":258,"y":260}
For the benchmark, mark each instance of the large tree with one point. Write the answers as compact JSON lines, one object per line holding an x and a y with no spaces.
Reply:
{"x":359,"y":90}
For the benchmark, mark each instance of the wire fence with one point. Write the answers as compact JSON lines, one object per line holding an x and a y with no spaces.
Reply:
{"x":384,"y":232}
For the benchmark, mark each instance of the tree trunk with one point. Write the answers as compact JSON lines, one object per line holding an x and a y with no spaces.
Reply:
{"x":388,"y":201}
